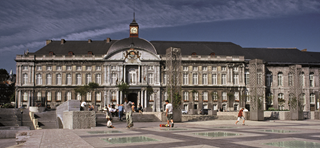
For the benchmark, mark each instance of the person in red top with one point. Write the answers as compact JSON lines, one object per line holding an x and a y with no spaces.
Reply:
{"x":240,"y":115}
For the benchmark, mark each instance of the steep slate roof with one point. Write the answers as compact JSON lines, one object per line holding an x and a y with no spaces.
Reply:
{"x":77,"y":47}
{"x":270,"y":55}
{"x":281,"y":55}
{"x":200,"y":48}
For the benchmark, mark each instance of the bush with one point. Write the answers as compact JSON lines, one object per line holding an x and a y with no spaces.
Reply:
{"x":272,"y":109}
{"x":8,"y":105}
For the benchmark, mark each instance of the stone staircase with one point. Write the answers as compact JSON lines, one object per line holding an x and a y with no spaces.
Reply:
{"x":47,"y":119}
{"x":12,"y":117}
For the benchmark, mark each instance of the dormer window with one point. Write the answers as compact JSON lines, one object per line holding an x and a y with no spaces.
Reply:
{"x":90,"y":53}
{"x":70,"y":53}
{"x":194,"y":54}
{"x":51,"y":53}
{"x":212,"y":54}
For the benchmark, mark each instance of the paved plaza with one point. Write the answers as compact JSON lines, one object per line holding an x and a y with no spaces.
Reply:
{"x":200,"y":134}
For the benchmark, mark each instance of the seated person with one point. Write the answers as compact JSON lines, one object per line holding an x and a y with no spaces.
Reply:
{"x":140,"y":109}
{"x":109,"y":123}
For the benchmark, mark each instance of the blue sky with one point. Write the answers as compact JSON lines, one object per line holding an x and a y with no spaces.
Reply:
{"x":248,"y":23}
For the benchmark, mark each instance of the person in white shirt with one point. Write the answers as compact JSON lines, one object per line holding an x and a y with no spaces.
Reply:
{"x":109,"y":123}
{"x":83,"y":105}
{"x":169,"y":112}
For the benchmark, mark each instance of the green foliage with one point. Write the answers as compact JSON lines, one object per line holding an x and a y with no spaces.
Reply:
{"x":86,"y":88}
{"x":150,"y":91}
{"x":176,"y":102}
{"x":273,"y":109}
{"x":281,"y":101}
{"x":12,"y":97}
{"x":124,"y":87}
{"x":8,"y":105}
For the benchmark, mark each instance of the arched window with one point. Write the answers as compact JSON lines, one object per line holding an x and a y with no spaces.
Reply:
{"x":212,"y":53}
{"x":78,"y":79}
{"x":132,"y":76}
{"x":51,"y":53}
{"x":194,"y":54}
{"x":69,"y":79}
{"x":39,"y":79}
{"x":280,"y":79}
{"x":49,"y":79}
{"x":98,"y":78}
{"x":25,"y":96}
{"x":269,"y":79}
{"x":290,"y":79}
{"x":59,"y":79}
{"x":70,"y":53}
{"x":88,"y":78}
{"x":90,"y":53}
{"x":25,"y":78}
{"x":302,"y":79}
{"x":195,"y":79}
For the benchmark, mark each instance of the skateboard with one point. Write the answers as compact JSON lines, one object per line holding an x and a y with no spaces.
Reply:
{"x":165,"y":125}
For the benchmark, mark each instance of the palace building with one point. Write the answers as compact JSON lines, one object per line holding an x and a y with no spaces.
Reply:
{"x":213,"y":74}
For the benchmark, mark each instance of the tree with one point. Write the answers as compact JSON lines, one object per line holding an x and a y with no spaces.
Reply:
{"x":83,"y":90}
{"x":124,"y":87}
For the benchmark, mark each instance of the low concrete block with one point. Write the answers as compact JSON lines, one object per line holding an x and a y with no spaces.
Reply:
{"x":10,"y":131}
{"x":79,"y":119}
{"x":317,"y":115}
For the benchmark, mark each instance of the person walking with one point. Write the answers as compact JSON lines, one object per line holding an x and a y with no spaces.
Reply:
{"x":240,"y":115}
{"x":120,"y":108}
{"x":169,"y":113}
{"x":128,"y":107}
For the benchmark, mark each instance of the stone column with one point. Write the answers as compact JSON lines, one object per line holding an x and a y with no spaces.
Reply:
{"x":108,"y":97}
{"x":104,"y":98}
{"x":139,"y":73}
{"x":121,"y":100}
{"x":145,"y":99}
{"x":32,"y":75}
{"x":124,"y":73}
{"x":157,"y":100}
{"x":108,"y":75}
{"x":158,"y":73}
{"x":142,"y":102}
{"x":105,"y":75}
{"x":117,"y":96}
{"x":19,"y":99}
{"x":121,"y":73}
{"x":20,"y":73}
{"x":138,"y":99}
{"x":29,"y":98}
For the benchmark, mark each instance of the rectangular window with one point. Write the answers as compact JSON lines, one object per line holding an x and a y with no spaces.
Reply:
{"x":39,"y":79}
{"x":223,"y":79}
{"x":312,"y":98}
{"x":25,"y":96}
{"x":195,"y":79}
{"x":69,"y":96}
{"x":185,"y":79}
{"x":269,"y":79}
{"x":114,"y":96}
{"x":280,"y":79}
{"x":215,"y":96}
{"x":246,"y":75}
{"x":114,"y":78}
{"x":204,"y":79}
{"x":49,"y":79}
{"x":98,"y":78}
{"x":78,"y":96}
{"x":236,"y":79}
{"x":311,"y":80}
{"x":58,"y":96}
{"x":49,"y":96}
{"x":69,"y":80}
{"x":204,"y":68}
{"x":186,"y":96}
{"x":25,"y":67}
{"x":88,"y":96}
{"x":235,"y":68}
{"x":236,"y":96}
{"x":224,"y":96}
{"x":59,"y":79}
{"x":195,"y":68}
{"x":259,"y":81}
{"x":150,"y":78}
{"x":79,"y":68}
{"x":214,"y":79}
{"x":150,"y":67}
{"x":302,"y":80}
{"x":195,"y":96}
{"x":88,"y":78}
{"x":223,"y":68}
{"x":205,"y":96}
{"x":39,"y":96}
{"x":185,"y":68}
{"x":290,"y":79}
{"x":113,"y":67}
{"x":98,"y":96}
{"x":214,"y":68}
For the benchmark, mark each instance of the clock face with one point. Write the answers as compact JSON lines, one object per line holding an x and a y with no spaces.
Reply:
{"x":134,"y":30}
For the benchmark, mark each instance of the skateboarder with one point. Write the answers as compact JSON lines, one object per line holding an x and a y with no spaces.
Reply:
{"x":241,"y":115}
{"x":169,"y":113}
{"x":128,"y":110}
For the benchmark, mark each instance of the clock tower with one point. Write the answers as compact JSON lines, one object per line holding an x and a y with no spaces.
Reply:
{"x":134,"y":28}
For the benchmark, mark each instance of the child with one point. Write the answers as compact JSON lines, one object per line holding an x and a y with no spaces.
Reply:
{"x":109,"y":123}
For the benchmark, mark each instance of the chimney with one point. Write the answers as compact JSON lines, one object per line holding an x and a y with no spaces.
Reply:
{"x":89,"y":41}
{"x":304,"y":50}
{"x":108,"y":40}
{"x":63,"y":41}
{"x":48,"y":42}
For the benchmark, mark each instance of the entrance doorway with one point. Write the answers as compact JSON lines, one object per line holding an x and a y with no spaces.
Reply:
{"x":133,"y":98}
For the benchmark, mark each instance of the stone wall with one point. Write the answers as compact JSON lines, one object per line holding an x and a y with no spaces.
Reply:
{"x":79,"y":119}
{"x":70,"y":105}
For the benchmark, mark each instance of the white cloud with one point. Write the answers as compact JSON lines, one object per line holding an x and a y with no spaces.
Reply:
{"x":27,"y":24}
